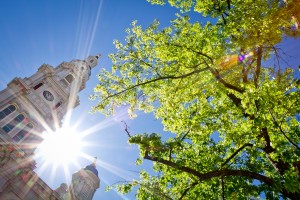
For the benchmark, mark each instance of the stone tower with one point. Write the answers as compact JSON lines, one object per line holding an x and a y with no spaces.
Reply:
{"x":30,"y":106}
{"x":85,"y":182}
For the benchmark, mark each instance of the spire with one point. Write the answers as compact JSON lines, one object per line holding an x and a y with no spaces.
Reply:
{"x":98,"y":56}
{"x":92,"y":167}
{"x":85,"y":182}
{"x":81,"y":70}
{"x":93,"y":60}
{"x":95,"y":161}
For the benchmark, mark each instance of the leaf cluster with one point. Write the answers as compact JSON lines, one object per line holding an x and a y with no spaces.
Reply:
{"x":235,"y":125}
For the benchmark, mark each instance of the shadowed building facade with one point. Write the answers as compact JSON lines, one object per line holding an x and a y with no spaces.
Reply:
{"x":85,"y":182}
{"x":28,"y":107}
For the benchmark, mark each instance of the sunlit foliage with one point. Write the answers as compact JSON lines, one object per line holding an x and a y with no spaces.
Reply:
{"x":234,"y":117}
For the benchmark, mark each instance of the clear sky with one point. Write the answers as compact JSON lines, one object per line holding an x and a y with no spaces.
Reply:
{"x":33,"y":32}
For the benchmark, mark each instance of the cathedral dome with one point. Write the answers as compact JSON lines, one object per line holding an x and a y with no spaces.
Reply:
{"x":92,"y":168}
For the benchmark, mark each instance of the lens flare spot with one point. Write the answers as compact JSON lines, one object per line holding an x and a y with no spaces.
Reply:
{"x":227,"y":62}
{"x":241,"y":57}
{"x":62,"y":147}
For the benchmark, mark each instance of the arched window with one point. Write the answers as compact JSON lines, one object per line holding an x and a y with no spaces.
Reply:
{"x":69,"y":78}
{"x":16,"y":121}
{"x":89,"y":71}
{"x":8,"y":110}
{"x":38,"y":86}
{"x":57,"y":105}
{"x":22,"y":133}
{"x":19,"y":118}
{"x":64,"y":82}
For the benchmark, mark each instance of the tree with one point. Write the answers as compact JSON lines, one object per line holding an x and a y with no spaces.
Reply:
{"x":234,"y":117}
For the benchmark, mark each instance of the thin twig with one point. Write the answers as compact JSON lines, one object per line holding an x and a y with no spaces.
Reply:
{"x":223,"y":190}
{"x":286,"y":137}
{"x":198,"y":52}
{"x":187,"y":189}
{"x":126,"y":129}
{"x":154,"y":80}
{"x":236,"y":152}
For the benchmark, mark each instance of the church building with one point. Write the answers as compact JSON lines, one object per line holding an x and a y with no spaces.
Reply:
{"x":29,"y":107}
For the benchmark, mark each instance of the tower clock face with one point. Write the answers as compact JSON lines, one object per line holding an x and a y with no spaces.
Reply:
{"x":48,"y":95}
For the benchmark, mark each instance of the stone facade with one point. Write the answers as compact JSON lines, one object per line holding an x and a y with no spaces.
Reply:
{"x":28,"y":107}
{"x":85,"y":182}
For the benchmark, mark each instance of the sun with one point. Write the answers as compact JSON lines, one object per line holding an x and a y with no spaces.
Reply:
{"x":62,"y":147}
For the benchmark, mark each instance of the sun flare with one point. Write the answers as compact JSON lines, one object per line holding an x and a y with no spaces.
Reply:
{"x":62,"y":147}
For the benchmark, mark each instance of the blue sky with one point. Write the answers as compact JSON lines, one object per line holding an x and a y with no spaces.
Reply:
{"x":38,"y":31}
{"x":34,"y":32}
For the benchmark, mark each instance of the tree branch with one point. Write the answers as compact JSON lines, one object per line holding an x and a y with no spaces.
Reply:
{"x":226,"y":172}
{"x":170,"y":154}
{"x":279,"y":165}
{"x":279,"y":126}
{"x":224,"y":20}
{"x":285,"y":114}
{"x":155,"y":191}
{"x":187,"y":189}
{"x":227,"y":85}
{"x":236,"y":152}
{"x":184,"y":136}
{"x":212,"y":174}
{"x":258,"y":66}
{"x":245,"y":71}
{"x":228,"y":4}
{"x":154,"y":80}
{"x":268,"y":148}
{"x":148,"y":64}
{"x":198,"y":52}
{"x":237,"y":101}
{"x":223,"y":189}
{"x":126,"y":129}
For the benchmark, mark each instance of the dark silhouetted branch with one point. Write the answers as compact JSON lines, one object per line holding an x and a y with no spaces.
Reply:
{"x":268,"y":148}
{"x":223,"y":189}
{"x":187,"y":189}
{"x":126,"y":128}
{"x":279,"y":127}
{"x":198,"y":52}
{"x":221,"y":80}
{"x":212,"y":174}
{"x":236,"y":152}
{"x":258,"y":66}
{"x":156,"y":79}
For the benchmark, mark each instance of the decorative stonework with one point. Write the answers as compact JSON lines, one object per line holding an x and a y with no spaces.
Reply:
{"x":37,"y":98}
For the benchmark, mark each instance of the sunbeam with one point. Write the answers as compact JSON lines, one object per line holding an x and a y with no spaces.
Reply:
{"x":73,"y":99}
{"x":120,"y":195}
{"x":86,"y":29}
{"x":124,"y":174}
{"x":102,"y":125}
{"x":94,"y":28}
{"x":67,"y":173}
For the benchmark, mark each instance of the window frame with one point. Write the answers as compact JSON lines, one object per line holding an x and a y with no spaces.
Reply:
{"x":67,"y":78}
{"x":5,"y":115}
{"x":12,"y":124}
{"x":37,"y":86}
{"x":25,"y":129}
